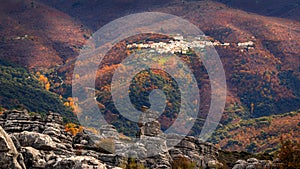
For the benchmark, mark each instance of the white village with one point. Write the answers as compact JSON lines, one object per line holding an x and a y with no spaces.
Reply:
{"x":180,"y":45}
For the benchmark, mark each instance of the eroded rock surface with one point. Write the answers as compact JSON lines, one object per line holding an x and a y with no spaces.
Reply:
{"x":32,"y":141}
{"x":253,"y":163}
{"x":9,"y":156}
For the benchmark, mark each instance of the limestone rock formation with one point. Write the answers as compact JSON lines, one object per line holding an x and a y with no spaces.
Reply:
{"x":9,"y":156}
{"x":31,"y":141}
{"x":78,"y":162}
{"x":149,"y":125}
{"x":18,"y":121}
{"x":36,"y":142}
{"x":253,"y":163}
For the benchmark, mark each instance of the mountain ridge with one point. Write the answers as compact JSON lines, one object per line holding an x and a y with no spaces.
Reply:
{"x":47,"y":35}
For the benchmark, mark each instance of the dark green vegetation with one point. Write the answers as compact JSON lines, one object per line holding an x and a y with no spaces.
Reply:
{"x":255,"y":135}
{"x":20,"y":89}
{"x":146,"y":81}
{"x":140,"y":88}
{"x":264,"y":89}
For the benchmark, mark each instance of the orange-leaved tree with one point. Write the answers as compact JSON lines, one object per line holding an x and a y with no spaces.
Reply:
{"x":289,"y":154}
{"x":73,"y":128}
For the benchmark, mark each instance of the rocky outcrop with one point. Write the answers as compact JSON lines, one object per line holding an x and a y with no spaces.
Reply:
{"x":18,"y":121}
{"x":9,"y":156}
{"x":44,"y":143}
{"x":36,"y":142}
{"x":78,"y":162}
{"x":160,"y":149}
{"x":149,"y":125}
{"x":254,"y":163}
{"x":32,"y":141}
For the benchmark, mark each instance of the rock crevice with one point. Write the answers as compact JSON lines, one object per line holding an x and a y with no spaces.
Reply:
{"x":32,"y":141}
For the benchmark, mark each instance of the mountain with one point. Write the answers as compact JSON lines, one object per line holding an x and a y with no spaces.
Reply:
{"x":22,"y":90}
{"x":37,"y":36}
{"x":258,"y":134}
{"x":95,"y":14}
{"x":274,"y":61}
{"x":262,"y":80}
{"x":277,"y":8}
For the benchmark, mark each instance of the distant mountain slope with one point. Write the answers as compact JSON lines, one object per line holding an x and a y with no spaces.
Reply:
{"x":20,"y":89}
{"x":37,"y":36}
{"x":266,"y":76}
{"x":259,"y":134}
{"x":289,"y":9}
{"x":95,"y":14}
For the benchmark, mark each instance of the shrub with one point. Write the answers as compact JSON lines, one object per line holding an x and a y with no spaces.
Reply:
{"x":251,"y":147}
{"x":183,"y":163}
{"x":233,"y":142}
{"x":132,"y":164}
{"x":73,"y":128}
{"x":289,"y":154}
{"x":1,"y":110}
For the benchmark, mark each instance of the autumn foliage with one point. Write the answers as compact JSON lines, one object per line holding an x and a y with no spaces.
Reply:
{"x":1,"y":110}
{"x":289,"y":154}
{"x":44,"y":80}
{"x":260,"y":134}
{"x":73,"y":128}
{"x":71,"y":102}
